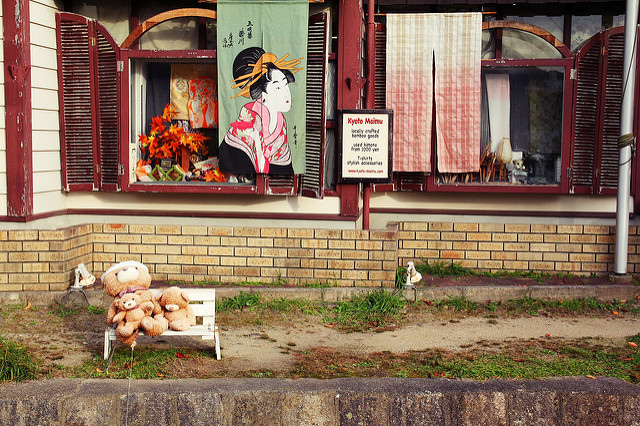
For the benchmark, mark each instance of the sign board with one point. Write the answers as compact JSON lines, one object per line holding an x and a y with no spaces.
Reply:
{"x":366,"y":148}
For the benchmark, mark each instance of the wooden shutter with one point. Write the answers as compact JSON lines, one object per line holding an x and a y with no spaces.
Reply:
{"x":108,"y":94}
{"x":380,"y":75}
{"x":76,"y":130}
{"x":87,"y":61}
{"x":312,"y":184}
{"x":612,"y":104}
{"x":598,"y":96}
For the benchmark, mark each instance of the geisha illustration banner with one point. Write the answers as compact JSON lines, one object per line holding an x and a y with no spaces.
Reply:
{"x":262,"y":49}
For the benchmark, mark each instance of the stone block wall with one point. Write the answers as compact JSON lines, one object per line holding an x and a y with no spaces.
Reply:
{"x":40,"y":260}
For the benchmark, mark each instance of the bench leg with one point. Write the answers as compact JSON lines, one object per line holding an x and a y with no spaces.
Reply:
{"x":217,"y":334}
{"x":107,"y":344}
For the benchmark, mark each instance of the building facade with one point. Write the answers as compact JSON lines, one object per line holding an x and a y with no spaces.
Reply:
{"x":505,"y":137}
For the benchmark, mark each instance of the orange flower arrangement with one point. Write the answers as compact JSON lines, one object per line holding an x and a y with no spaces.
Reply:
{"x":167,"y":142}
{"x":215,"y":175}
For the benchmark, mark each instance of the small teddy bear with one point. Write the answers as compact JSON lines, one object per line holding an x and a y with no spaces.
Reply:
{"x":131,"y":277}
{"x":128,"y":317}
{"x":177,"y":310}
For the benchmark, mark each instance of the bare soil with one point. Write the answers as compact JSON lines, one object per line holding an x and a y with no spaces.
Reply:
{"x":66,"y":337}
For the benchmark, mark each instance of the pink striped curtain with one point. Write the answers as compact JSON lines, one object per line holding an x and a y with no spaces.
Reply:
{"x":414,"y":43}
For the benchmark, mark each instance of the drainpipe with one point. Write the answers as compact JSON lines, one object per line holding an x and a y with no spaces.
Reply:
{"x":369,"y":95}
{"x":626,"y":138}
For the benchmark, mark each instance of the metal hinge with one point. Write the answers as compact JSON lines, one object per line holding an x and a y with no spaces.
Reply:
{"x":97,"y":169}
{"x":119,"y":66}
{"x":92,"y":41}
{"x":573,"y":74}
{"x":569,"y":172}
{"x":121,"y":169}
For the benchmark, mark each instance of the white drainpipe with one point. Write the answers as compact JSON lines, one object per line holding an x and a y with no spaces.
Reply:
{"x":626,"y":128}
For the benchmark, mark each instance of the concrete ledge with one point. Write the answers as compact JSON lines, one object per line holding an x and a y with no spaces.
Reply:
{"x":339,"y":294}
{"x":386,"y":401}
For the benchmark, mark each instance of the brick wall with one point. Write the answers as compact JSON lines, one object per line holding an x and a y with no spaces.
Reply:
{"x":46,"y":259}
{"x":577,"y":249}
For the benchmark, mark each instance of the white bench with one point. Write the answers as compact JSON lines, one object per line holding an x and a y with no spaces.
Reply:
{"x":203,"y":302}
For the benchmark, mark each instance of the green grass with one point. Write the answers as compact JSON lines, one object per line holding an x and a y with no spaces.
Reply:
{"x":64,"y":311}
{"x":16,"y":364}
{"x":450,"y":268}
{"x":524,"y":360}
{"x":148,"y":363}
{"x":255,"y":302}
{"x":367,"y":310}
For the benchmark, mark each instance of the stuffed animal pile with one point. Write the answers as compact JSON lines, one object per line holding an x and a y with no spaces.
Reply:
{"x":134,"y":308}
{"x":121,"y":281}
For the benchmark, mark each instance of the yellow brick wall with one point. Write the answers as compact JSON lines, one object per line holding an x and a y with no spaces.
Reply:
{"x":577,"y":249}
{"x":46,"y":259}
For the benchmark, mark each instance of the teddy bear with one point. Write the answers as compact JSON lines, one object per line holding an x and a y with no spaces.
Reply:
{"x":128,"y":317}
{"x":177,"y":310}
{"x":131,"y":277}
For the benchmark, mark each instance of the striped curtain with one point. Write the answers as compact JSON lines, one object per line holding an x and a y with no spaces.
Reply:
{"x":451,"y":42}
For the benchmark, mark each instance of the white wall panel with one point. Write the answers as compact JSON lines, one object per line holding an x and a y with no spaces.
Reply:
{"x":43,"y":36}
{"x":45,"y":99}
{"x":47,"y":181}
{"x":42,"y":14}
{"x":45,"y":120}
{"x":44,"y":57}
{"x":46,"y":161}
{"x":46,"y":140}
{"x":48,"y":202}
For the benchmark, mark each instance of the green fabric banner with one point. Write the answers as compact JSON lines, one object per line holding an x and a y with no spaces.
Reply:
{"x":262,"y":64}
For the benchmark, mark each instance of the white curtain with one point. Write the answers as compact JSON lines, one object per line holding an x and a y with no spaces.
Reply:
{"x":498,"y":96}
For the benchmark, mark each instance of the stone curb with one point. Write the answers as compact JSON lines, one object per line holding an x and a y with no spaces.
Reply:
{"x":337,"y":294}
{"x":377,"y":401}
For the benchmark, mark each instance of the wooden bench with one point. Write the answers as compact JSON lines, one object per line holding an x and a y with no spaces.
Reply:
{"x":203,"y":302}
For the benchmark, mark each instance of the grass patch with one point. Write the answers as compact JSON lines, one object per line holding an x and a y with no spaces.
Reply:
{"x":367,"y":310}
{"x":531,"y":359}
{"x":532,"y":306}
{"x":16,"y":364}
{"x":64,"y":311}
{"x":148,"y":363}
{"x":254,"y":302}
{"x":447,"y":269}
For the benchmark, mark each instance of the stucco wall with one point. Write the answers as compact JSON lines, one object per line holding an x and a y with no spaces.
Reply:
{"x":47,"y":183}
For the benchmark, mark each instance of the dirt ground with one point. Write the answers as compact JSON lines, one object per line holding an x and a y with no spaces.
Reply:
{"x":66,"y":336}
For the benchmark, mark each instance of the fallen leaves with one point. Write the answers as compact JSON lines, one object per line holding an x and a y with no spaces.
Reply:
{"x":181,"y":355}
{"x":633,"y":345}
{"x":26,"y":308}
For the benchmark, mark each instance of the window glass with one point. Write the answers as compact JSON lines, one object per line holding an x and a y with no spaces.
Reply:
{"x":518,"y":44}
{"x":115,"y":16}
{"x":176,"y":34}
{"x":553,"y":24}
{"x":521,"y":138}
{"x":618,"y":20}
{"x":489,"y":44}
{"x":583,"y":28}
{"x":178,"y":144}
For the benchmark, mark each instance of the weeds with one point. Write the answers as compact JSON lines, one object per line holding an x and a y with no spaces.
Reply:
{"x":374,"y":309}
{"x":522,"y":360}
{"x":444,"y":269}
{"x":64,"y":311}
{"x":16,"y":364}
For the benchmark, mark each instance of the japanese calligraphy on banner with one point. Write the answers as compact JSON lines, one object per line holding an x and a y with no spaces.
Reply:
{"x":262,"y":49}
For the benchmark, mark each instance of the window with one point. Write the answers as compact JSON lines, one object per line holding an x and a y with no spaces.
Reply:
{"x":525,"y":83}
{"x":110,"y":94}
